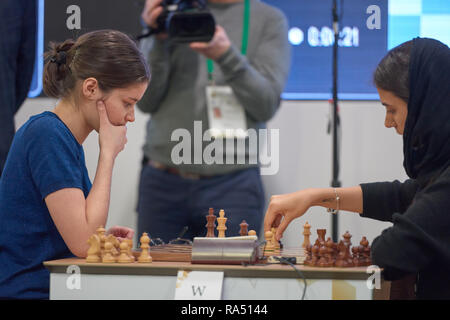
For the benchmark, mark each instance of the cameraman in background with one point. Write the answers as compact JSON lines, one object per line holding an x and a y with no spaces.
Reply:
{"x":249,"y":54}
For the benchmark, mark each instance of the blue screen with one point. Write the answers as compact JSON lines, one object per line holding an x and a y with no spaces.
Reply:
{"x":311,"y":37}
{"x":36,"y":82}
{"x":360,"y":48}
{"x":423,"y":18}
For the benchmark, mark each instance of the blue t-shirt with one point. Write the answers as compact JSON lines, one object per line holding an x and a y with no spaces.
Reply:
{"x":44,"y":157}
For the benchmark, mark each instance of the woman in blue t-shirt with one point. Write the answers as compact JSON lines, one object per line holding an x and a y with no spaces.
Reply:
{"x":48,"y":206}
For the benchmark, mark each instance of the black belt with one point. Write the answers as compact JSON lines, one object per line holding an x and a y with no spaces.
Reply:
{"x":186,"y":175}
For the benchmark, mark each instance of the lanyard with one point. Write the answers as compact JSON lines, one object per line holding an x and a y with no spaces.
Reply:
{"x":245,"y":32}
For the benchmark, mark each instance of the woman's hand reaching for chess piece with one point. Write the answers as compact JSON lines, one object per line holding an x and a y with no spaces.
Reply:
{"x":287,"y":207}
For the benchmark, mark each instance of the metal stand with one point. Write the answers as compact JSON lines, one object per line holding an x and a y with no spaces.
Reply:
{"x":335,"y":183}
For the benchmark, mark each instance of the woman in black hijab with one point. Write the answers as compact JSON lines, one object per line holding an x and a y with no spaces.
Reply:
{"x":413,"y":81}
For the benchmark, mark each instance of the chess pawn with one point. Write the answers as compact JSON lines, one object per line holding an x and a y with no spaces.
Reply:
{"x":306,"y":235}
{"x":345,"y":259}
{"x":145,"y":245}
{"x":252,"y":233}
{"x":221,"y":224}
{"x":356,"y":256}
{"x":315,"y":253}
{"x":244,"y":228}
{"x":335,"y":250}
{"x":330,"y":252}
{"x":130,"y":249}
{"x":211,"y":223}
{"x":347,"y":236}
{"x":308,"y":255}
{"x":275,"y":242}
{"x":348,"y":256}
{"x":269,"y":245}
{"x":364,"y":242}
{"x":124,"y":257}
{"x":94,"y":251}
{"x":322,"y":254}
{"x":341,"y":260}
{"x":108,"y":257}
{"x":101,"y":232}
{"x":365,"y":254}
{"x":116,"y":243}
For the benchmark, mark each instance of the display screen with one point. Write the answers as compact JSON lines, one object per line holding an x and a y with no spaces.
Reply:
{"x":368,"y":29}
{"x":360,"y":48}
{"x":36,"y":81}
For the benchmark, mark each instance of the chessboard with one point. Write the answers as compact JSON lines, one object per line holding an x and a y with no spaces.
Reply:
{"x":323,"y":253}
{"x":170,"y":252}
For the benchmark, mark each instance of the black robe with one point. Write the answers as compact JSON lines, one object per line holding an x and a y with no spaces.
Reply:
{"x":419,"y":240}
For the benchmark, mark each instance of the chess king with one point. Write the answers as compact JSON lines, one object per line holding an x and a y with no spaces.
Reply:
{"x":413,"y":82}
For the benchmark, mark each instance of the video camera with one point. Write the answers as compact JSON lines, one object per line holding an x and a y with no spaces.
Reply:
{"x":186,"y":21}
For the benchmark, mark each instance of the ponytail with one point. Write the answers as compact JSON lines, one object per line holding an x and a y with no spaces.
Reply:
{"x":109,"y":56}
{"x":57,"y":79}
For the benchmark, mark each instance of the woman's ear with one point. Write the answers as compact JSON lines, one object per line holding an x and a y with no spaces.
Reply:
{"x":90,"y":89}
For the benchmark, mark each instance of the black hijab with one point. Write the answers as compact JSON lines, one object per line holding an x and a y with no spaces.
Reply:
{"x":426,"y":138}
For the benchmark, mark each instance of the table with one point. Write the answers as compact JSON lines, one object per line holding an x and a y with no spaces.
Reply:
{"x":75,"y":279}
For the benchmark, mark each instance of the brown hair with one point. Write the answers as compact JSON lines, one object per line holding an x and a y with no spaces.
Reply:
{"x":109,"y":56}
{"x":392,"y":73}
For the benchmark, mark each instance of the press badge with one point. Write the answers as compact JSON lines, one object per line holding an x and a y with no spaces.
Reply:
{"x":225,"y":114}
